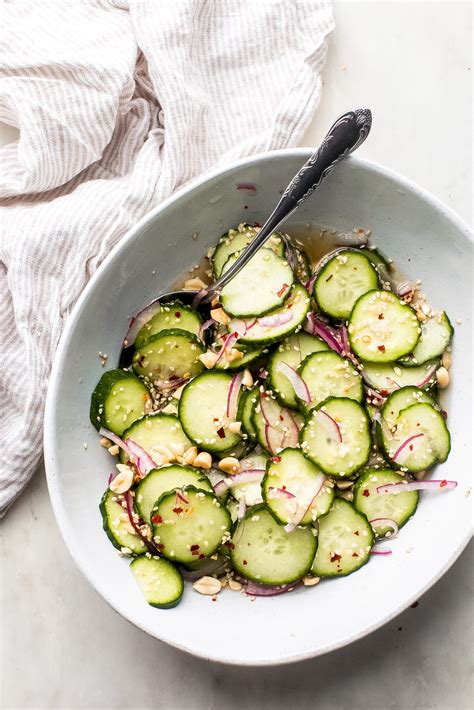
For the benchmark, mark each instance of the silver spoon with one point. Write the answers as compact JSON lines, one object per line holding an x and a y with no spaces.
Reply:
{"x":344,"y":136}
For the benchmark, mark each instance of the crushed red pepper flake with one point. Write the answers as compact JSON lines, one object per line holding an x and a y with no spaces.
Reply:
{"x":282,"y":290}
{"x":366,"y":493}
{"x":381,"y":348}
{"x":157,"y":519}
{"x":221,"y":433}
{"x":335,"y":557}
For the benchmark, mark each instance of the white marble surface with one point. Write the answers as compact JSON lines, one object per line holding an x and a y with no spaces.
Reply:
{"x":63,"y":647}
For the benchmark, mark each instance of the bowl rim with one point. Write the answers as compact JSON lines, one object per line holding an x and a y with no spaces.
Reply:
{"x":52,"y":473}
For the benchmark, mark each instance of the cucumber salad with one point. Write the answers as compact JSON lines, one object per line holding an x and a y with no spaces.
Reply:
{"x":281,"y":437}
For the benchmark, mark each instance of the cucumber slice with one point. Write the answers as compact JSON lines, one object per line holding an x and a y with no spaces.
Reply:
{"x":188,"y":531}
{"x":420,"y":439}
{"x":117,"y":526}
{"x":393,"y":376}
{"x":401,"y":399}
{"x":297,"y":304}
{"x":165,"y":479}
{"x":263,"y":285}
{"x":341,"y":281}
{"x":156,"y":430}
{"x":247,"y":402}
{"x":237,"y":239}
{"x":398,"y":507}
{"x":118,"y":400}
{"x":436,"y":334}
{"x":202,"y":412}
{"x":327,"y":374}
{"x":172,"y":354}
{"x":336,"y":436}
{"x":160,"y":582}
{"x":250,"y":355}
{"x":344,"y":542}
{"x":277,"y":427}
{"x":171,"y":316}
{"x":262,"y":551}
{"x":291,"y":351}
{"x":293,"y":474}
{"x":382,"y":328}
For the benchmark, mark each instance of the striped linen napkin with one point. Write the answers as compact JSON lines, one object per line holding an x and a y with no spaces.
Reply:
{"x":119,"y":103}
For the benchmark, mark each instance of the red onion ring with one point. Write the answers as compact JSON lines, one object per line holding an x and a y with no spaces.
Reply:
{"x":328,"y":419}
{"x":299,"y":385}
{"x":275,"y":320}
{"x":116,"y":439}
{"x":405,"y":443}
{"x":233,"y":395}
{"x":302,"y":509}
{"x":275,"y":493}
{"x":254,"y":589}
{"x":150,"y":546}
{"x":250,"y":475}
{"x":139,"y":320}
{"x":434,"y":485}
{"x":140,"y":457}
{"x":315,"y":326}
{"x":229,"y":343}
{"x":380,"y":552}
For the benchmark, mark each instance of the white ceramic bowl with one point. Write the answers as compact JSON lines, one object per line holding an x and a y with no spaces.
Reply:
{"x":428,"y":242}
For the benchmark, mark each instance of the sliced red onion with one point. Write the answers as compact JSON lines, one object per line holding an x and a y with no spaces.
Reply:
{"x":139,"y":320}
{"x":166,"y":385}
{"x":275,"y":320}
{"x":207,"y":324}
{"x":241,"y":509}
{"x":229,"y":343}
{"x":405,"y":444}
{"x":140,"y":457}
{"x":380,"y":552}
{"x":250,"y":475}
{"x":129,"y":502}
{"x":212,"y":567}
{"x":111,"y":478}
{"x":310,"y":283}
{"x":299,"y":385}
{"x":275,"y":493}
{"x":386,"y":522}
{"x":233,"y":395}
{"x":315,"y":326}
{"x":436,"y":485}
{"x":303,"y":508}
{"x":377,"y":399}
{"x":328,"y":421}
{"x":291,"y":435}
{"x":270,"y":409}
{"x":404,"y":288}
{"x":239,"y":326}
{"x":116,"y":439}
{"x":428,"y":377}
{"x":246,"y":186}
{"x":273,"y":439}
{"x":180,"y":496}
{"x":254,"y":589}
